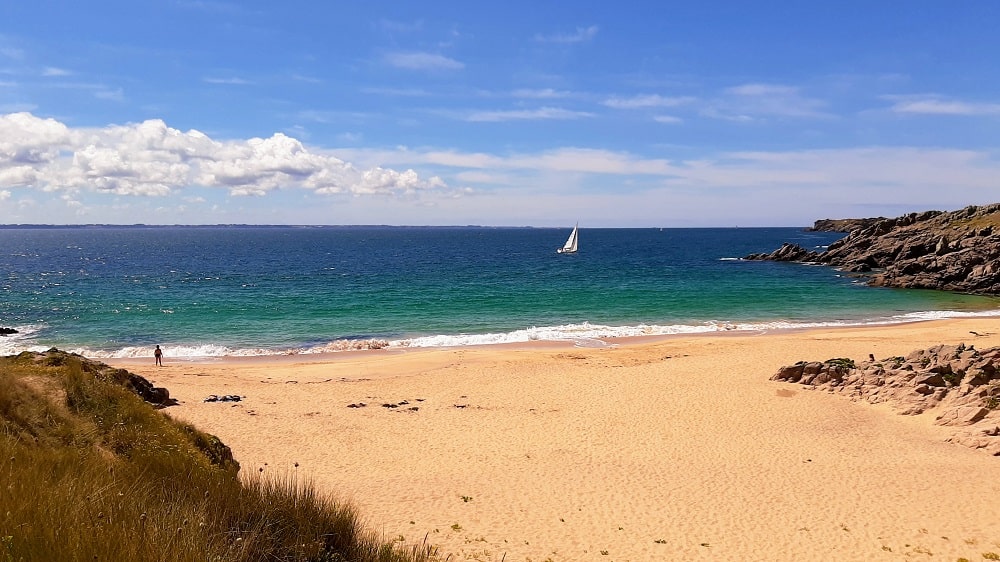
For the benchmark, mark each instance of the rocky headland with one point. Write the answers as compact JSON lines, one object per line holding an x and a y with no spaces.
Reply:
{"x":956,"y":251}
{"x":842,"y":225}
{"x":959,"y":384}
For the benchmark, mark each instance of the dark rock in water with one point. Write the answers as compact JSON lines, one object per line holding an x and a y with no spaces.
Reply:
{"x":961,"y":384}
{"x":787,"y":252}
{"x":956,"y":251}
{"x":7,"y":331}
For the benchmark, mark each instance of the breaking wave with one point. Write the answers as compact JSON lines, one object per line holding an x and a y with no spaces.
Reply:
{"x":581,"y":335}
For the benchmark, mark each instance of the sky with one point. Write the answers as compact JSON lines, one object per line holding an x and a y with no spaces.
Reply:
{"x":515,"y":113}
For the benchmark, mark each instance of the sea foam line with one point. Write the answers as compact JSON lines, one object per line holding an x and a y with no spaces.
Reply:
{"x":583,"y":335}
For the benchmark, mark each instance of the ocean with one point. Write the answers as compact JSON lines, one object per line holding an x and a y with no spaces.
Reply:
{"x":108,"y":291}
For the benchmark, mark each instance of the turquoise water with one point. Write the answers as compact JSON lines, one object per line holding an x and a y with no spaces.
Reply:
{"x":207,"y":291}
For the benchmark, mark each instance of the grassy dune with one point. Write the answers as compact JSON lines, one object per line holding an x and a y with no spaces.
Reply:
{"x":89,"y":471}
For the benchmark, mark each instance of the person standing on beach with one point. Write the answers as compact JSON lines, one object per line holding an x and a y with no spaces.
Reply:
{"x":158,"y":354}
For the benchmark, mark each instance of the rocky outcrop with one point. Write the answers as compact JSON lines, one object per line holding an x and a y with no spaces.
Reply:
{"x":787,"y":252}
{"x":155,"y":395}
{"x":956,"y":251}
{"x":7,"y":331}
{"x":217,"y":452}
{"x":842,"y":225}
{"x":960,"y":385}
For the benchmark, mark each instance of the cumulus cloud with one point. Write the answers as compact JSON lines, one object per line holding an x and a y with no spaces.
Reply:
{"x":152,"y":159}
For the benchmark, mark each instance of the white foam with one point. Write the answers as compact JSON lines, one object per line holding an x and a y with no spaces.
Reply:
{"x":582,"y":335}
{"x":12,"y":344}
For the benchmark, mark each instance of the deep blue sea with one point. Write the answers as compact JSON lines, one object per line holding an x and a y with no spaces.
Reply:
{"x":236,"y":290}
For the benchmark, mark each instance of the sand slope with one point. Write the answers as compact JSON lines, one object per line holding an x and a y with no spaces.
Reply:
{"x":678,"y":449}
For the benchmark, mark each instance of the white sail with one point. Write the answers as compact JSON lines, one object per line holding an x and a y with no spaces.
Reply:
{"x":570,"y":246}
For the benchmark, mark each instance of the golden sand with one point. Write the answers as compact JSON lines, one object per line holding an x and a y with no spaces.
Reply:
{"x":674,"y":449}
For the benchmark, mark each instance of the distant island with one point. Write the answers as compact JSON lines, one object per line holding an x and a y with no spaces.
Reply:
{"x":957,"y":251}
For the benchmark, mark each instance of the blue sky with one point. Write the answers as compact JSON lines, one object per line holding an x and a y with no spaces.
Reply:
{"x":626,"y":113}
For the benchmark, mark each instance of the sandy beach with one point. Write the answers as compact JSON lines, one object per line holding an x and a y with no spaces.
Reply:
{"x":678,"y":448}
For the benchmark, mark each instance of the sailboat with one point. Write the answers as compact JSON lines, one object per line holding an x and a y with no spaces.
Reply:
{"x":570,"y":246}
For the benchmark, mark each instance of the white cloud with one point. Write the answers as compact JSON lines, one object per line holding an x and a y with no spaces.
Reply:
{"x":881,"y":169}
{"x":111,"y":95}
{"x":616,"y":188}
{"x":935,"y":105}
{"x":483,"y":178}
{"x":4,"y":194}
{"x":545,"y":93}
{"x":527,"y":114}
{"x":668,"y":119}
{"x":580,"y":35}
{"x":307,"y":79}
{"x":422,"y":61}
{"x":232,"y":80}
{"x":53,"y":71}
{"x":762,"y":90}
{"x":647,"y":100}
{"x":877,"y":175}
{"x":152,"y":159}
{"x":748,"y":102}
{"x":402,"y":92}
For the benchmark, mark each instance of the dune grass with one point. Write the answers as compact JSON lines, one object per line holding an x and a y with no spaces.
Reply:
{"x":88,"y":471}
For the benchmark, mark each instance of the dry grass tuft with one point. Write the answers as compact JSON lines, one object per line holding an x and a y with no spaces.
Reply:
{"x":89,"y":471}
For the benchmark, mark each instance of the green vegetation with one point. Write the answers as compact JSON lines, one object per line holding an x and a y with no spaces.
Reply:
{"x":88,"y":471}
{"x":953,"y":379}
{"x":991,"y":220}
{"x":992,"y":399}
{"x":840,"y":363}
